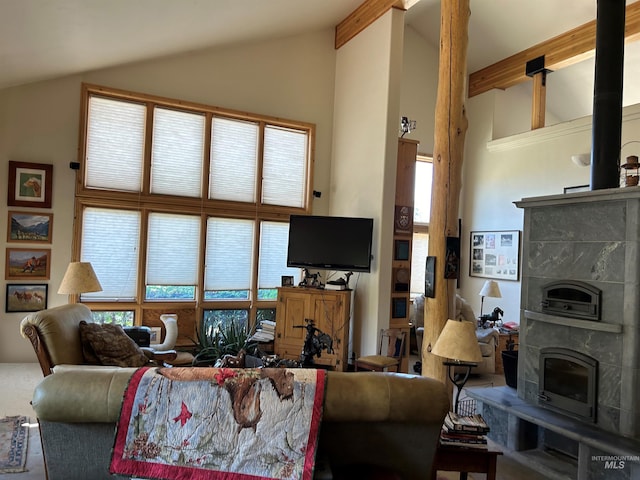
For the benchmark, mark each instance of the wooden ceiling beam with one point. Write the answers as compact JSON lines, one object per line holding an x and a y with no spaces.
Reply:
{"x":363,"y":16}
{"x":561,"y":51}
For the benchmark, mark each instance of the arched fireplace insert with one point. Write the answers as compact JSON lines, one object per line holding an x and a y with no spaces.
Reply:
{"x":568,"y":382}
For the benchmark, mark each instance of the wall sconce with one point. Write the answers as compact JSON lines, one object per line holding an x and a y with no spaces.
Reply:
{"x":581,"y":159}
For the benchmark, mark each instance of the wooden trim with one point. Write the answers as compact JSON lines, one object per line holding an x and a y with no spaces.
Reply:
{"x":566,"y":49}
{"x":538,"y":107}
{"x":363,"y":16}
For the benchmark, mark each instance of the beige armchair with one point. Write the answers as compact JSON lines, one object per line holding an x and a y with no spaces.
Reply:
{"x":55,"y":336}
{"x":487,"y":337}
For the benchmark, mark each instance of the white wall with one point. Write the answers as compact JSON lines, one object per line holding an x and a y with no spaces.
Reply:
{"x":498,"y":172}
{"x":419,"y":88}
{"x":365,"y":134}
{"x":290,"y":78}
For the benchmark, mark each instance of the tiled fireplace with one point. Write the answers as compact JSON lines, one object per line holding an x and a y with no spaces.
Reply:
{"x":592,"y":238}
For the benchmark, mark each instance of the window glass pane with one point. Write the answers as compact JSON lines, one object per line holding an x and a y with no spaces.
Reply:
{"x":124,"y":317}
{"x":173,"y":249}
{"x":228,"y":262}
{"x":422,"y":198}
{"x":115,"y":144}
{"x":274,"y":237}
{"x":234,"y":155}
{"x":177,"y":153}
{"x":214,"y":319}
{"x":110,"y":241}
{"x":419,"y":254}
{"x":266,"y":314}
{"x":170,"y":292}
{"x":285,"y":167}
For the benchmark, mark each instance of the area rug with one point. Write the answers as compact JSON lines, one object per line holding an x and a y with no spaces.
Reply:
{"x":14,"y":436}
{"x":220,"y":423}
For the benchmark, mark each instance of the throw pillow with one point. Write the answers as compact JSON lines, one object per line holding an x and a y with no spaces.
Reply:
{"x":110,"y":345}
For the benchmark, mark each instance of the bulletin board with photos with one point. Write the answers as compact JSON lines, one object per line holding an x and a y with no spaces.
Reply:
{"x":495,"y":254}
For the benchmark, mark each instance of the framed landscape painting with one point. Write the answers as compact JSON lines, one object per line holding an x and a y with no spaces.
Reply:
{"x":30,"y":185}
{"x":27,"y":263}
{"x":26,"y":297}
{"x":26,"y":227}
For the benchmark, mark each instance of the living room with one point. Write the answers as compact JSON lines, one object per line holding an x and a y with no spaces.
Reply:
{"x":496,"y":172}
{"x":355,"y":97}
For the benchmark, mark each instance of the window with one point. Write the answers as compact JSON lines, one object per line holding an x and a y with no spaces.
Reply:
{"x":184,"y":205}
{"x":421,"y":216}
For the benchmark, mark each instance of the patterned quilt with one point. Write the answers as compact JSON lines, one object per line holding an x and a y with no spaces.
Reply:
{"x":220,"y":423}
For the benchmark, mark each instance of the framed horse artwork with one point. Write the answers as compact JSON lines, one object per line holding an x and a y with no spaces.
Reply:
{"x":27,"y":263}
{"x":26,"y":297}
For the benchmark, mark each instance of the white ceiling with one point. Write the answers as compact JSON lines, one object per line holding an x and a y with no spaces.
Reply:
{"x":41,"y":39}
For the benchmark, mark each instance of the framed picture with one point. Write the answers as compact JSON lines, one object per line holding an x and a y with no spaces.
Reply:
{"x":28,"y":227}
{"x":156,"y":334}
{"x":287,"y":280}
{"x":401,"y":250}
{"x":399,"y":307}
{"x":30,"y":185}
{"x":452,"y":258}
{"x":495,"y":254}
{"x":26,"y":297}
{"x":578,"y":188}
{"x":430,"y":277}
{"x":23,"y":263}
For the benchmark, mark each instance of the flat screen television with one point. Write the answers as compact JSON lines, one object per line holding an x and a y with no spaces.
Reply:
{"x":330,"y":243}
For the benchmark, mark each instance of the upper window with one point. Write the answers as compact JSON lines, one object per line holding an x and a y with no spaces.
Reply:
{"x":421,"y":215}
{"x":185,"y":202}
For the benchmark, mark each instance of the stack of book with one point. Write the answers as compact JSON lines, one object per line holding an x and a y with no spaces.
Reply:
{"x":265,"y":332}
{"x":464,"y":431}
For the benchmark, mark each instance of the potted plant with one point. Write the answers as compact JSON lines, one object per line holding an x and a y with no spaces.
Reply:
{"x":222,"y":338}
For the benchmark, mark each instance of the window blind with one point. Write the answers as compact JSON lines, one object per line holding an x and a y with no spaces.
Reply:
{"x":234,"y":157}
{"x":229,"y":254}
{"x":274,"y":238}
{"x":177,"y":153}
{"x":110,"y":242}
{"x":115,"y":144}
{"x":173,"y":248}
{"x":284,"y":167}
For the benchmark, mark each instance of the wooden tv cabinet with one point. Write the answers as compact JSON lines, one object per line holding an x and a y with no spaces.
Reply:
{"x":330,"y":311}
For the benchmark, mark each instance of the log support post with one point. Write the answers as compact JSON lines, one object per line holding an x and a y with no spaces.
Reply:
{"x":450,"y":130}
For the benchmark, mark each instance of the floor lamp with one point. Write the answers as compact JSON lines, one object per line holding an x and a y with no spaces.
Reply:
{"x":458,"y":342}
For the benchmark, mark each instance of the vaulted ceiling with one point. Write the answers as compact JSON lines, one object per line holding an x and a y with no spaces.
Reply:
{"x":41,"y":39}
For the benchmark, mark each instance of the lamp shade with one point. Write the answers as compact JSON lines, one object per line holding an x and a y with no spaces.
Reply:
{"x":458,"y":342}
{"x":79,"y":278}
{"x":490,"y":289}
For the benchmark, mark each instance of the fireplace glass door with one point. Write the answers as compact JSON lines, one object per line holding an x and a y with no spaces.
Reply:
{"x":568,"y":382}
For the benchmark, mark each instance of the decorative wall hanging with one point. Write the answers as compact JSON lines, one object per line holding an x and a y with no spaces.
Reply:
{"x":495,"y":254}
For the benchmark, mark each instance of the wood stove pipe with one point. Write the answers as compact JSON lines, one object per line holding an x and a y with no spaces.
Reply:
{"x":607,"y":97}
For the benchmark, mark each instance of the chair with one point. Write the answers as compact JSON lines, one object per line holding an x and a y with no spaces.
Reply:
{"x":54,"y":334}
{"x":389,"y":352}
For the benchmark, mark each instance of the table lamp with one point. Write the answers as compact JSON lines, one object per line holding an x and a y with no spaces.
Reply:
{"x":79,"y":278}
{"x":459,"y":343}
{"x":489,"y":289}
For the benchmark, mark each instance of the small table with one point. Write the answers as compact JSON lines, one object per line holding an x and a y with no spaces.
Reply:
{"x":465,"y":460}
